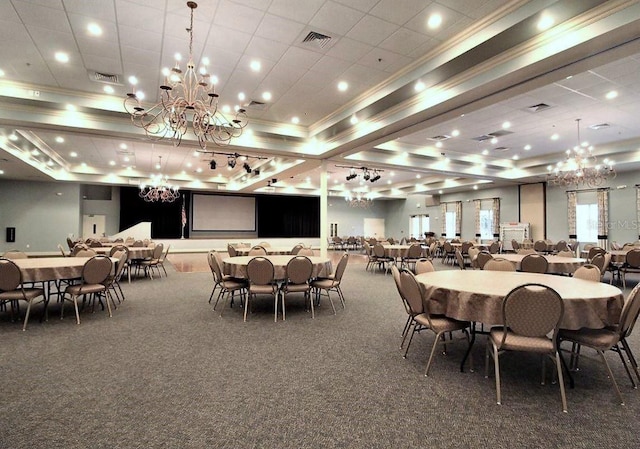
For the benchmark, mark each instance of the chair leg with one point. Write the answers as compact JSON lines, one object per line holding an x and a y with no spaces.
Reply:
{"x":26,"y":317}
{"x":433,"y":350}
{"x":563,"y":395}
{"x":613,"y":380}
{"x":75,"y":304}
{"x":412,"y":332}
{"x":631,"y":357}
{"x":618,"y":350}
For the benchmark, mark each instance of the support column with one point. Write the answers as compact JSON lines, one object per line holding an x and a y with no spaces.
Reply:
{"x":324,"y":219}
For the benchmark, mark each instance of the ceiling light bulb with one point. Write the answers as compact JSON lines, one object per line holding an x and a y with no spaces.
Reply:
{"x":266,"y":96}
{"x":506,"y":125}
{"x":419,"y":86}
{"x":434,"y":21}
{"x":61,"y":57}
{"x":545,"y":22}
{"x":438,"y":144}
{"x":94,"y":29}
{"x":455,"y":133}
{"x":255,"y":65}
{"x":295,"y":120}
{"x":60,"y":139}
{"x":611,"y":95}
{"x":241,"y":96}
{"x":108,"y":89}
{"x":485,"y":152}
{"x":527,"y":147}
{"x":343,"y":86}
{"x":494,"y":140}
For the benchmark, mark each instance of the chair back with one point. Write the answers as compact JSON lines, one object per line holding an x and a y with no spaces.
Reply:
{"x":561,"y":246}
{"x":595,"y":250}
{"x":432,"y":249}
{"x":78,"y":247}
{"x":448,"y":248}
{"x":566,"y":253}
{"x":424,"y":266}
{"x":61,"y":249}
{"x":499,"y":264}
{"x":119,"y":240}
{"x":414,"y":251}
{"x":157,"y":251}
{"x":540,"y":246}
{"x":526,"y":251}
{"x":473,"y":253}
{"x":295,"y":249}
{"x":70,"y":243}
{"x":396,"y":278}
{"x":598,"y":261}
{"x":85,"y":253}
{"x":14,"y":254}
{"x":232,"y":251}
{"x":534,"y":263}
{"x":165,"y":254}
{"x":115,"y":248}
{"x":632,"y":259}
{"x":411,"y":292}
{"x":299,"y":270}
{"x":214,"y":266}
{"x":630,"y":312}
{"x":342,"y":265}
{"x":588,"y":272}
{"x":532,"y":310}
{"x":306,"y":252}
{"x":465,"y":247}
{"x":96,"y":270}
{"x":391,"y":241}
{"x":122,"y":256}
{"x":10,"y":275}
{"x":95,"y":244}
{"x":260,"y":271}
{"x":482,"y":258}
{"x":378,"y":250}
{"x":138,"y":243}
{"x":494,"y":248}
{"x":258,"y":251}
{"x":264,"y":244}
{"x":515,"y":245}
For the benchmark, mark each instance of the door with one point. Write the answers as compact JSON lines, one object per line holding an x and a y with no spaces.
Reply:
{"x":93,"y":226}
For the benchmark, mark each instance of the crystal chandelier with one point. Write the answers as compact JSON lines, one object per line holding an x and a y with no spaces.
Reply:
{"x":157,"y":188}
{"x":359,"y":200}
{"x":186,"y":98}
{"x":581,"y":167}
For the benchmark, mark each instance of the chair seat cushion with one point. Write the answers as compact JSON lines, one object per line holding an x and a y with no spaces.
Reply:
{"x":232,"y":284}
{"x":516,"y":342}
{"x":293,"y":288}
{"x":441,"y":323}
{"x":83,"y":289}
{"x":29,"y":293}
{"x":262,"y":289}
{"x":324,"y":283}
{"x":596,"y":338}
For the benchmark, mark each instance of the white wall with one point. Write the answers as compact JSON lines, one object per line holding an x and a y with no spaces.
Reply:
{"x":110,"y":209}
{"x":351,"y":220}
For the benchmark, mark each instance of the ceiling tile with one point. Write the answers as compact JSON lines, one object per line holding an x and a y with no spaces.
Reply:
{"x":331,"y":65}
{"x":104,"y":10}
{"x":336,"y":18}
{"x":227,"y":38}
{"x":404,"y":41}
{"x":79,"y":26}
{"x":49,"y":42}
{"x":129,"y":14}
{"x":141,"y":39}
{"x":42,"y":17}
{"x":419,"y":22}
{"x":360,"y":5}
{"x":300,"y":57}
{"x":397,"y":11}
{"x":236,"y":16}
{"x":295,"y":9}
{"x":372,"y":30}
{"x":104,"y":65}
{"x":349,"y":49}
{"x":279,"y":29}
{"x":265,"y":49}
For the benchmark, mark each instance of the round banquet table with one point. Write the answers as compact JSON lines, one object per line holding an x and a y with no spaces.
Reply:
{"x":270,"y":250}
{"x":237,"y":266}
{"x":557,"y":264}
{"x":135,"y":252}
{"x":395,"y":251}
{"x":42,"y":269}
{"x":476,"y":295}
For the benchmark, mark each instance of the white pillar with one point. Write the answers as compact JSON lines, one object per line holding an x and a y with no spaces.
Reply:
{"x":324,"y":219}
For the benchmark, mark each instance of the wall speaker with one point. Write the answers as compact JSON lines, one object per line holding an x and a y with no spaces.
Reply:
{"x":11,"y":235}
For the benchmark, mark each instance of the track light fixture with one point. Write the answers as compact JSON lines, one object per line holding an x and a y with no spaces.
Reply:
{"x":368,"y":174}
{"x":232,"y":160}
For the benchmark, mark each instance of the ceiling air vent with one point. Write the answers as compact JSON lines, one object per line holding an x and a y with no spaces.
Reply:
{"x":537,"y":107}
{"x":317,"y":39}
{"x":501,"y":149}
{"x":481,"y":138}
{"x":255,"y":105}
{"x":103,"y":77}
{"x":599,"y":126}
{"x":439,"y":138}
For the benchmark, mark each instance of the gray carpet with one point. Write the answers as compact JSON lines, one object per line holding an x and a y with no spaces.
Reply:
{"x":167,"y":372}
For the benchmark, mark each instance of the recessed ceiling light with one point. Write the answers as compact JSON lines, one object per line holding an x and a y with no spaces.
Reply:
{"x":545,"y":22}
{"x":419,"y":86}
{"x":84,"y":164}
{"x":204,"y":61}
{"x":388,"y":181}
{"x":140,"y":95}
{"x":418,"y":176}
{"x":266,"y":96}
{"x":123,"y":146}
{"x":485,"y":152}
{"x":438,"y":144}
{"x":506,"y":125}
{"x":61,"y":56}
{"x":1,"y":172}
{"x":126,"y":159}
{"x":272,"y":163}
{"x":71,"y":108}
{"x":73,"y":154}
{"x":354,"y":119}
{"x":555,"y":136}
{"x":455,"y":133}
{"x":226,"y":109}
{"x":440,"y":192}
{"x":199,"y":170}
{"x":178,"y":57}
{"x":434,"y":21}
{"x":255,"y":65}
{"x":527,"y":147}
{"x":108,"y":89}
{"x":494,"y":140}
{"x":13,"y":137}
{"x":475,"y":187}
{"x":195,"y":154}
{"x":112,"y":163}
{"x":295,"y":120}
{"x":50,"y":163}
{"x":611,"y":95}
{"x":1,"y":72}
{"x":35,"y":152}
{"x":59,"y":139}
{"x":342,"y":86}
{"x":189,"y":164}
{"x":515,"y":157}
{"x":392,"y":174}
{"x":241,"y":96}
{"x":157,"y":166}
{"x":133,"y":80}
{"x":94,"y":29}
{"x":214,"y":79}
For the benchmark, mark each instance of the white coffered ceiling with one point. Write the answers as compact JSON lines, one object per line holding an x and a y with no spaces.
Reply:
{"x":410,"y":87}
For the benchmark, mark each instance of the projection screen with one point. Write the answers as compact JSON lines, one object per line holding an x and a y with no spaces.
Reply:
{"x":223,"y":213}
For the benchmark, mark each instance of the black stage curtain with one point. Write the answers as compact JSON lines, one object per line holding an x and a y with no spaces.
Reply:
{"x":288,"y":216}
{"x":165,"y":218}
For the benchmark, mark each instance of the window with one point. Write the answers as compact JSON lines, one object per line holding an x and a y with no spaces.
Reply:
{"x":486,"y":224}
{"x":418,"y":225}
{"x":450,"y":224}
{"x":587,"y":222}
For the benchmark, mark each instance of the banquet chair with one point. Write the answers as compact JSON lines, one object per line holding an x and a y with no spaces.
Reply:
{"x":372,"y":260}
{"x":609,"y":338}
{"x":14,"y":254}
{"x":78,"y":247}
{"x":113,"y":281}
{"x":298,"y":280}
{"x":540,"y":246}
{"x":534,"y":263}
{"x":515,"y":245}
{"x":424,"y":266}
{"x":149,"y":264}
{"x":499,"y":264}
{"x":232,"y":251}
{"x":448,"y":252}
{"x":423,"y":319}
{"x":460,"y":260}
{"x":332,"y":283}
{"x":295,"y":249}
{"x":62,"y":251}
{"x":261,"y":276}
{"x":631,"y":265}
{"x":525,"y":251}
{"x":95,"y":244}
{"x":264,"y":244}
{"x":482,"y":258}
{"x":93,"y":283}
{"x":530,"y":313}
{"x":472,"y":255}
{"x":70,"y":243}
{"x":85,"y":253}
{"x":227,"y":284}
{"x":413,"y":254}
{"x":119,"y":240}
{"x":257,"y":251}
{"x":137,"y":244}
{"x":12,"y":289}
{"x":305,"y":252}
{"x":593,"y":251}
{"x":382,"y":260}
{"x":494,"y":248}
{"x":127,"y":265}
{"x":561,"y":246}
{"x":588,"y":272}
{"x":566,"y":253}
{"x":162,"y":259}
{"x":395,"y":272}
